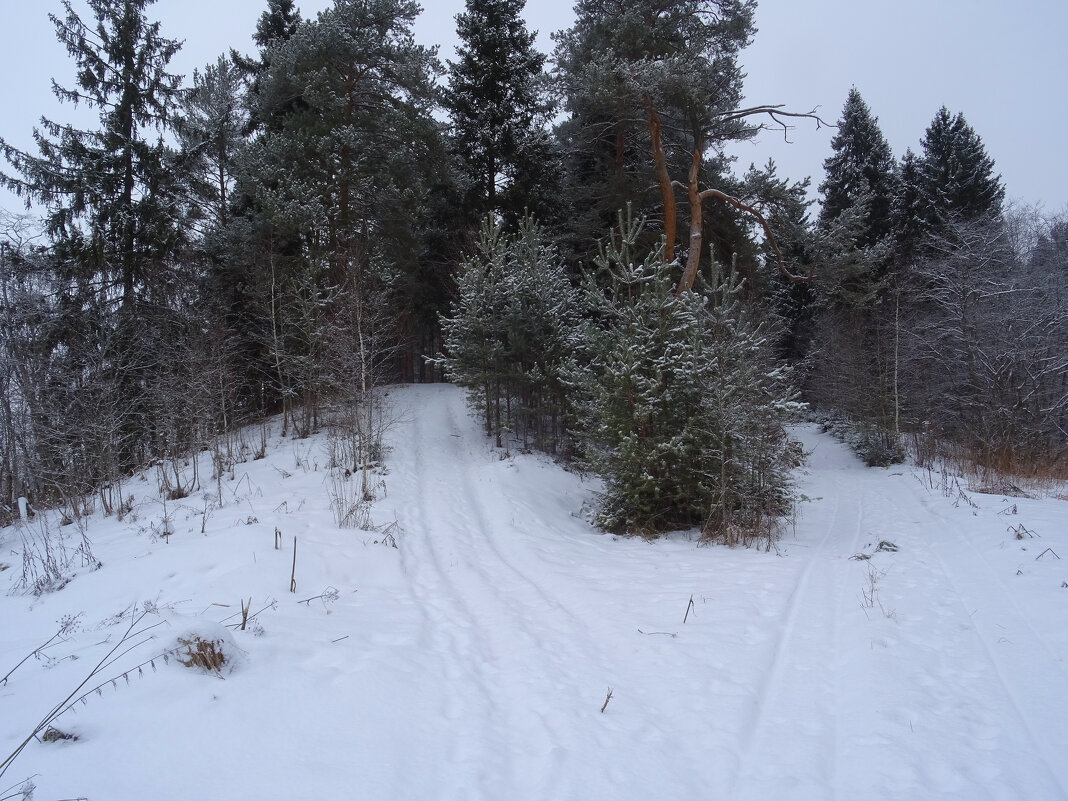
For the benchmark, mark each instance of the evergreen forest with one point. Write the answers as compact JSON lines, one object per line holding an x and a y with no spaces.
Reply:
{"x":289,"y":231}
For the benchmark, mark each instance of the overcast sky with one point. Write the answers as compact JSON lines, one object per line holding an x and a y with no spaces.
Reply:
{"x":1001,"y":62}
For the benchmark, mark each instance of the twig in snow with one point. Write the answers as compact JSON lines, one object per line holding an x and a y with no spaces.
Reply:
{"x":24,"y":791}
{"x":1021,"y":531}
{"x":293,"y":575}
{"x":270,"y":605}
{"x":689,"y":606}
{"x":1048,"y":550}
{"x":607,"y":698}
{"x":329,"y":594}
{"x":665,"y":633}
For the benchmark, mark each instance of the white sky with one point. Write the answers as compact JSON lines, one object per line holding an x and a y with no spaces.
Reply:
{"x":1001,"y":62}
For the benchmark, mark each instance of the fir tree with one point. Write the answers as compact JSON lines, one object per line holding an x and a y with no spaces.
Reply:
{"x":497,"y":101}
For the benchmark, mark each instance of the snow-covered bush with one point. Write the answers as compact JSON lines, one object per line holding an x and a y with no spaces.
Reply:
{"x":876,"y":446}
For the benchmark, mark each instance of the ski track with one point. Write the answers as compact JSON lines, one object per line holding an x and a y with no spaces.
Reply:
{"x":1004,"y":632}
{"x":466,"y":582}
{"x":796,"y":686}
{"x":946,"y":568}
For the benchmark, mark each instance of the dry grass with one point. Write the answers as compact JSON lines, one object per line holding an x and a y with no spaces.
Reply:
{"x":204,"y":654}
{"x":1012,"y":472}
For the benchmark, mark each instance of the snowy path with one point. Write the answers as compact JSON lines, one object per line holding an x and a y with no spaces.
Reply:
{"x":952,"y":655}
{"x":831,"y":703}
{"x":473,"y":661}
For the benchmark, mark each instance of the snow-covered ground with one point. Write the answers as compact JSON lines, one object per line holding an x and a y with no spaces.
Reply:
{"x":474,"y":660}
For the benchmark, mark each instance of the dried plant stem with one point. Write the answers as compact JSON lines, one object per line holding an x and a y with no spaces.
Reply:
{"x":107,"y":660}
{"x":34,"y":652}
{"x":293,"y":575}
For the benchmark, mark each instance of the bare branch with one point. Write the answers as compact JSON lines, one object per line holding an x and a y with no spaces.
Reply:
{"x":749,"y":209}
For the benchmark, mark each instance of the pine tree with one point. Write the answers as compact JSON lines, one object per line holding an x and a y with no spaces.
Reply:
{"x":338,"y":178}
{"x":680,"y":408}
{"x":647,"y":85}
{"x":654,"y":92}
{"x":497,"y":101}
{"x":212,"y":134}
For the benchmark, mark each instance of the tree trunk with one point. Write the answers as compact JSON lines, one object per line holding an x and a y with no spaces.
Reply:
{"x":663,"y":179}
{"x":693,"y":255}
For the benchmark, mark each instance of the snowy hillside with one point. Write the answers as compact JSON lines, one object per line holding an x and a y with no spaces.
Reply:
{"x":504,"y":649}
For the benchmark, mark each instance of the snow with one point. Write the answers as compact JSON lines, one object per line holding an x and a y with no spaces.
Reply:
{"x":473,"y":660}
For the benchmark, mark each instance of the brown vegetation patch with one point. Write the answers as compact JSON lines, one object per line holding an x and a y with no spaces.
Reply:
{"x":204,"y":654}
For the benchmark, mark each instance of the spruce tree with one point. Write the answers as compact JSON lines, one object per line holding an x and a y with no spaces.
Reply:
{"x":855,"y":220}
{"x":112,"y":202}
{"x":498,"y":104}
{"x":861,"y":169}
{"x":110,"y":193}
{"x":957,"y":174}
{"x":911,"y":222}
{"x":275,"y":26}
{"x":855,"y":366}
